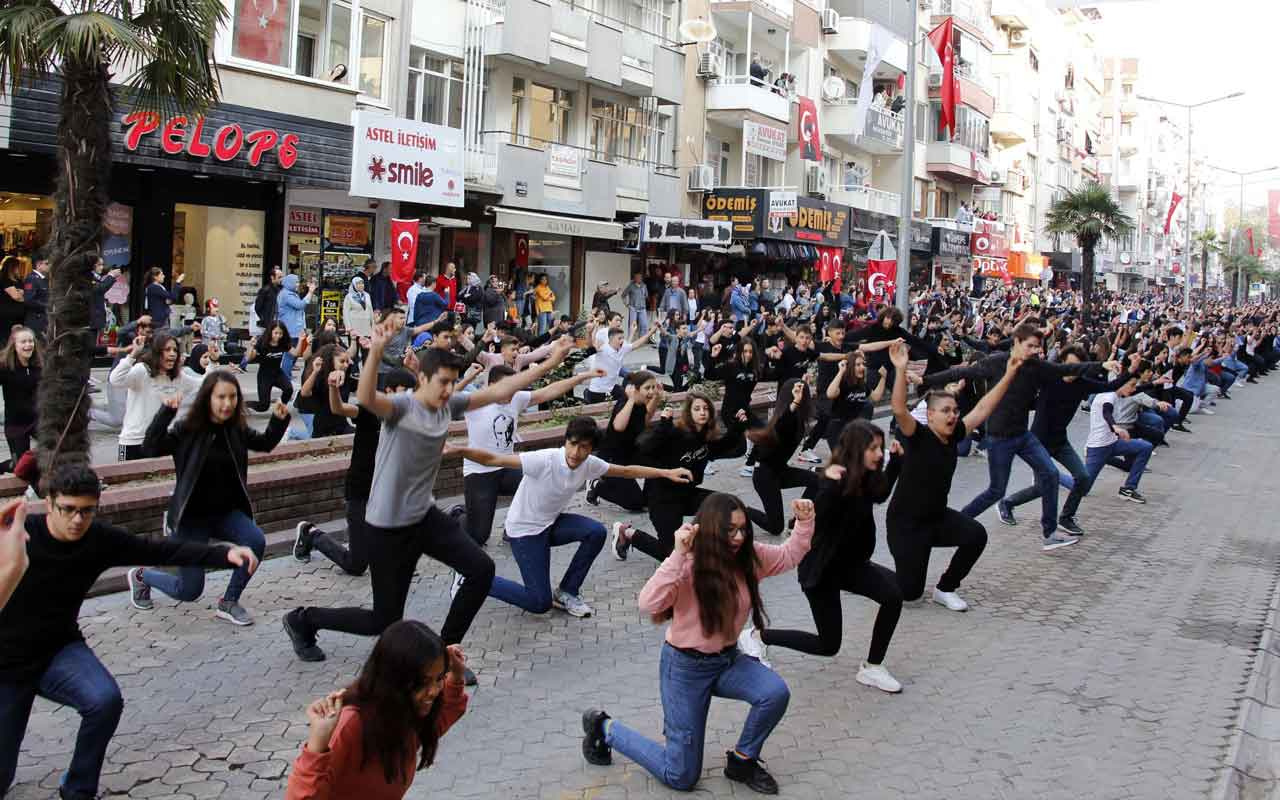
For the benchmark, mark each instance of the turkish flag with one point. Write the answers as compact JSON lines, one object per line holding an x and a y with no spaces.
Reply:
{"x":1248,"y":234}
{"x":522,"y":250}
{"x":831,"y":265}
{"x":942,"y":38}
{"x":262,"y":31}
{"x":882,"y":284}
{"x":810,"y":140}
{"x":404,"y":254}
{"x":1173,"y":206}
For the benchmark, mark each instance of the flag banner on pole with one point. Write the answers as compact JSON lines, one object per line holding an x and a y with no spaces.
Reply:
{"x":1273,"y":217}
{"x":1173,"y":205}
{"x":808,"y":136}
{"x":1248,"y":234}
{"x":404,"y":254}
{"x":942,"y":38}
{"x":880,"y":41}
{"x":882,"y":270}
{"x":831,"y":265}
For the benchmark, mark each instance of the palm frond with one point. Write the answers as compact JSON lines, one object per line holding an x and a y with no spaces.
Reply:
{"x":23,"y":54}
{"x":1089,"y":214}
{"x":180,"y":74}
{"x":92,"y":36}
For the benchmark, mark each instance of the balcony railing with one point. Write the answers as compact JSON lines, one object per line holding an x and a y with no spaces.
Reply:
{"x":868,"y":198}
{"x":974,"y":12}
{"x":741,"y":92}
{"x":965,"y":70}
{"x":783,"y":8}
{"x":482,"y":159}
{"x":884,"y":126}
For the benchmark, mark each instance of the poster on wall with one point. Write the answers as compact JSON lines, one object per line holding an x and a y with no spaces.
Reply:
{"x":401,"y":159}
{"x":117,"y":235}
{"x":331,"y":306}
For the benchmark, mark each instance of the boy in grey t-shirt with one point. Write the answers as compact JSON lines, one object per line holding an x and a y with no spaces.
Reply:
{"x":404,"y":521}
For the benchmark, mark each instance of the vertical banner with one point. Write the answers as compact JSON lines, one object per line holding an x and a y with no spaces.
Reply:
{"x":404,"y":253}
{"x":522,"y":251}
{"x":810,"y":139}
{"x":1273,"y":217}
{"x":831,"y":265}
{"x":1173,"y":206}
{"x":881,"y":39}
{"x":117,"y":235}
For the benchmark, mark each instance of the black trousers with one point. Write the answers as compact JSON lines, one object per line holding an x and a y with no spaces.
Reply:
{"x":127,"y":452}
{"x":821,"y":420}
{"x":352,"y":557}
{"x":868,"y":579}
{"x":1183,"y":400}
{"x":481,"y":491}
{"x":18,"y":438}
{"x":729,"y":417}
{"x":911,"y":541}
{"x":836,"y":425}
{"x":393,"y":556}
{"x":667,"y":512}
{"x":770,"y":480}
{"x":269,"y":379}
{"x":623,"y":492}
{"x":589,"y":396}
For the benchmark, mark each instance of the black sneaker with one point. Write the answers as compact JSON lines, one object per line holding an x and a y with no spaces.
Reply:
{"x":1132,"y":495}
{"x":468,"y":677}
{"x":594,"y":748}
{"x":302,"y":637}
{"x":1069,"y":525}
{"x":751,"y":772}
{"x":1181,"y":428}
{"x":1006,"y":513}
{"x":302,"y":540}
{"x":593,"y":499}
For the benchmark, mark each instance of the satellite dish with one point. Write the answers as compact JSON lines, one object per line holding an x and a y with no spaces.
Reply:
{"x":833,"y":88}
{"x":697,"y":31}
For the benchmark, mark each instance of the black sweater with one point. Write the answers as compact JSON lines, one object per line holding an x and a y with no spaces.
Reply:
{"x":19,"y":387}
{"x":788,"y":433}
{"x":668,"y":447}
{"x":40,"y":618}
{"x":1058,"y":402}
{"x":845,"y":529}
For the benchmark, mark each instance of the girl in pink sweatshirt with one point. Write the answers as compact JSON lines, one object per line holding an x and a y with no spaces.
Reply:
{"x":707,"y":588}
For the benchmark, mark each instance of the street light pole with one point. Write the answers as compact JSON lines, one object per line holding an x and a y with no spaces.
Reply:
{"x":1238,"y":292}
{"x":903,"y":295}
{"x":1186,"y":255}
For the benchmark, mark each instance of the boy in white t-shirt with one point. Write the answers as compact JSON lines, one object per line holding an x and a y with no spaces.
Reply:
{"x":610,"y":359}
{"x":536,"y":521}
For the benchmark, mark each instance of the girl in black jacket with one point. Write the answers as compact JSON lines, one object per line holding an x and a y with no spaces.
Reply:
{"x":840,"y":559}
{"x":21,"y":363}
{"x":210,"y":448}
{"x":689,"y":442}
{"x":775,"y":443}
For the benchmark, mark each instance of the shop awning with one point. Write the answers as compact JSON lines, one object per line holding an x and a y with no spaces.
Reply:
{"x":519,"y":220}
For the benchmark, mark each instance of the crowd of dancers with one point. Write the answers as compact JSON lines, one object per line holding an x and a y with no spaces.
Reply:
{"x":763,"y":375}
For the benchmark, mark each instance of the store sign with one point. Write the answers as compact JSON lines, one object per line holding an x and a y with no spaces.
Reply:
{"x":348,"y":232}
{"x":330,"y":306}
{"x":950,"y":244}
{"x":781,"y":204}
{"x":181,"y":134}
{"x":744,"y":208}
{"x":668,"y":230}
{"x":565,"y":161}
{"x":400,"y":159}
{"x":304,"y":221}
{"x":815,"y":222}
{"x":764,"y":140}
{"x":987,"y":241}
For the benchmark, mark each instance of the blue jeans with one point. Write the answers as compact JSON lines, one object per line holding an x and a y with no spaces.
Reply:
{"x":688,"y":683}
{"x":533,"y":556}
{"x":308,"y":422}
{"x":187,"y":584}
{"x":638,"y":317}
{"x":1132,"y":454}
{"x":1065,"y":455}
{"x":1000,"y":454}
{"x":76,"y":678}
{"x":287,"y":360}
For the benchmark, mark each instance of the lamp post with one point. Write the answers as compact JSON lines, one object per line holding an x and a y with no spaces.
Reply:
{"x":903,"y":294}
{"x":1235,"y":290}
{"x":1186,"y":279}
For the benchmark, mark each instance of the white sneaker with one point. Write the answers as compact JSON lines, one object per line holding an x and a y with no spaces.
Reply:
{"x":750,"y":643}
{"x":456,"y":584}
{"x":810,"y":457}
{"x":619,"y":541}
{"x":747,"y":471}
{"x":709,"y":469}
{"x":1207,"y":411}
{"x":877,"y":676}
{"x":571,"y":604}
{"x":951,"y":600}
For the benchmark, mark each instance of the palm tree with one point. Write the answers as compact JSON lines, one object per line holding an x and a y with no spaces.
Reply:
{"x":1209,"y":243}
{"x":1238,"y":263}
{"x":1089,"y":214}
{"x":162,"y":46}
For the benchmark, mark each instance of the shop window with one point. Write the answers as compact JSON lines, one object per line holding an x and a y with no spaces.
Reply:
{"x":220,"y":252}
{"x":540,"y":114}
{"x":434,"y":89}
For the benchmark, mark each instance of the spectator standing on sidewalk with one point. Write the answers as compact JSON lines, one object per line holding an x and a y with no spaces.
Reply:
{"x":35,"y":296}
{"x":636,"y":299}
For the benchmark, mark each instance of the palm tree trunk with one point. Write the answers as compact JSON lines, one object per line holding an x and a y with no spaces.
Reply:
{"x":80,"y":198}
{"x":1086,"y":285}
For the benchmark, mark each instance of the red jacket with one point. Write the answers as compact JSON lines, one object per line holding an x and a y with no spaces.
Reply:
{"x":447,"y":288}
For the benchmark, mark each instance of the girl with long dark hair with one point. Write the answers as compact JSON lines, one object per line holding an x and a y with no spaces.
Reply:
{"x":852,"y":394}
{"x":210,"y":448}
{"x":642,"y":395}
{"x":840,"y":560}
{"x":369,"y":740}
{"x":690,"y":442}
{"x":269,"y":351}
{"x":740,"y":366}
{"x":21,"y":363}
{"x":313,"y":396}
{"x":707,"y":588}
{"x":152,"y":374}
{"x":775,"y":444}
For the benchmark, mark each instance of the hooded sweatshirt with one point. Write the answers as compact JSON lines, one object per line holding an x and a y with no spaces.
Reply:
{"x":290,"y":307}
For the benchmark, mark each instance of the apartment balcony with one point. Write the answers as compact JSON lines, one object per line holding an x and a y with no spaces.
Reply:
{"x":881,"y":134}
{"x":731,"y":98}
{"x":778,"y":11}
{"x":970,"y":14}
{"x":856,"y":18}
{"x":1013,"y":122}
{"x":853,"y":38}
{"x":976,"y":89}
{"x":1015,"y":14}
{"x":1012,"y":179}
{"x":958,"y":163}
{"x":1128,"y":144}
{"x":866,"y":198}
{"x":583,"y":45}
{"x":1128,"y":107}
{"x":1128,"y":181}
{"x":547,"y":176}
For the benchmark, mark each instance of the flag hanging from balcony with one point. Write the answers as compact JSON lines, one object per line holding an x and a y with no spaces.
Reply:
{"x":809,"y":138}
{"x":404,"y":254}
{"x":942,"y":38}
{"x":881,"y":39}
{"x":1173,"y":206}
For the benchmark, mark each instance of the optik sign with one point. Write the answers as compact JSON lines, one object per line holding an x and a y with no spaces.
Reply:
{"x":400,"y":159}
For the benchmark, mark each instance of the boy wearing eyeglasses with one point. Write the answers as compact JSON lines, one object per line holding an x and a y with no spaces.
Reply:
{"x":42,"y":651}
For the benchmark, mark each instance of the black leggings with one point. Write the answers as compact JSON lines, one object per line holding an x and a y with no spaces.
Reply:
{"x":770,"y":480}
{"x":868,"y":579}
{"x":481,"y":491}
{"x":269,"y":379}
{"x":911,"y":541}
{"x":19,"y":440}
{"x":667,"y":511}
{"x":818,"y":430}
{"x":623,"y":492}
{"x":393,"y":556}
{"x":352,"y":557}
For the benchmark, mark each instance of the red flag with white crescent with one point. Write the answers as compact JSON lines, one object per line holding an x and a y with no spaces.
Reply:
{"x":881,"y":281}
{"x":1173,"y":206}
{"x":404,"y":253}
{"x":808,"y":136}
{"x":942,"y":38}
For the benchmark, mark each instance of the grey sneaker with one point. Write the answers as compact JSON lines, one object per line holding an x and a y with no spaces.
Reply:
{"x":139,"y":592}
{"x":306,"y":534}
{"x":233,"y":612}
{"x":1006,"y":513}
{"x":571,"y":604}
{"x":1058,"y":539}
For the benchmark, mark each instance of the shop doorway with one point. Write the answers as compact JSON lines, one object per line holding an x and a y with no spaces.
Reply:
{"x":219,"y":251}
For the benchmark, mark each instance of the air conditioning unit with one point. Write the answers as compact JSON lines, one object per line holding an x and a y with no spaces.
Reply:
{"x":935,"y":80}
{"x":709,"y":65}
{"x":997,"y":177}
{"x":1019,"y":37}
{"x":830,"y":21}
{"x":701,"y":178}
{"x":815,"y":181}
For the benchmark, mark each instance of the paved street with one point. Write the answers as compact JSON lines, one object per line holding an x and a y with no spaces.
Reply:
{"x":1112,"y":669}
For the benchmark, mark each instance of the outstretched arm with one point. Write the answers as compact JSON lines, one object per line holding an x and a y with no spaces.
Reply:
{"x":503,"y":390}
{"x":486,"y":458}
{"x":991,"y":399}
{"x":553,"y":390}
{"x":899,"y":356}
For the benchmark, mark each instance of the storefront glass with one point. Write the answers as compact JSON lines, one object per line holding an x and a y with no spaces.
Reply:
{"x":219,"y":251}
{"x":346,"y":245}
{"x":25,"y":222}
{"x":552,"y":256}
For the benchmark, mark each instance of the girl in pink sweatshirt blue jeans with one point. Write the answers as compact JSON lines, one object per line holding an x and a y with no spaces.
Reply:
{"x":707,"y":588}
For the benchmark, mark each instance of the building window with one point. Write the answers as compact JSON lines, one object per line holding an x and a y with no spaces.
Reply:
{"x":373,"y":49}
{"x":922,"y":121}
{"x":434,"y":89}
{"x":322,"y":40}
{"x":540,"y":114}
{"x":761,"y":172}
{"x":618,"y":130}
{"x":919,"y":197}
{"x":1126,"y":89}
{"x":972,"y":129}
{"x":261,"y":32}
